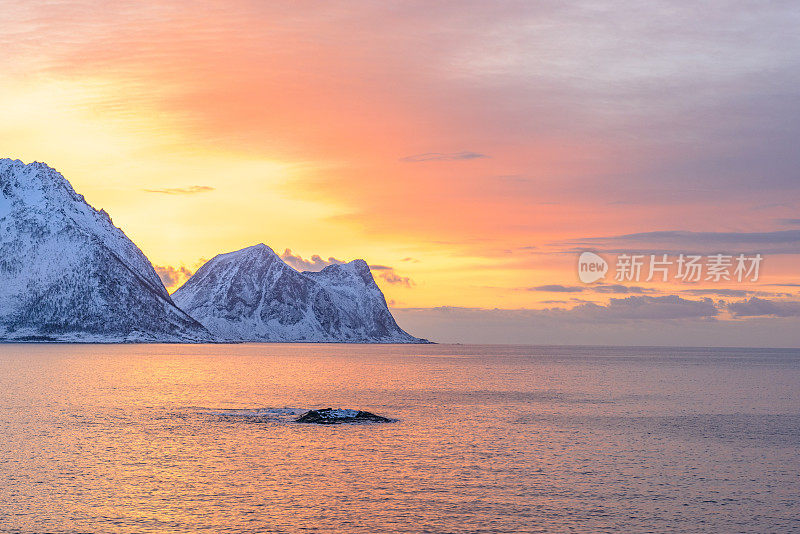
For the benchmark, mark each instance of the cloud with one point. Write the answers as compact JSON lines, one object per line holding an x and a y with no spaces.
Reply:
{"x":724,"y":292}
{"x":619,"y":288}
{"x":661,"y":110}
{"x":789,"y":222}
{"x":633,"y":308}
{"x":173,"y":277}
{"x":756,"y":307}
{"x":191,"y":190}
{"x":316,"y":263}
{"x":557,"y":288}
{"x":595,"y":288}
{"x":553,"y":327}
{"x":646,"y":308}
{"x":439,"y":156}
{"x":517,"y":82}
{"x":719,"y":292}
{"x":395,"y":279}
{"x":390,"y":275}
{"x":704,"y":238}
{"x":776,"y":242}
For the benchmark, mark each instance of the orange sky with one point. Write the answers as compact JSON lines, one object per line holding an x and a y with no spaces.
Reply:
{"x":467,"y":146}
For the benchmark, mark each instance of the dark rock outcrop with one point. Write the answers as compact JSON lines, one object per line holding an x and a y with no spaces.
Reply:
{"x":330,"y":416}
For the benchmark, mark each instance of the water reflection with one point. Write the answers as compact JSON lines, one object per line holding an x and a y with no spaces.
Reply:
{"x":503,"y":439}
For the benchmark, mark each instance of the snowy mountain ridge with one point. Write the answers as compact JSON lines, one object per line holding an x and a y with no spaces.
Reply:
{"x":37,"y":187}
{"x":253,"y":295}
{"x":69,"y":274}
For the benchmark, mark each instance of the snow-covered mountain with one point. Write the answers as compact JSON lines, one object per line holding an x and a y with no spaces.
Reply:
{"x":252,"y":295}
{"x":68,"y":274}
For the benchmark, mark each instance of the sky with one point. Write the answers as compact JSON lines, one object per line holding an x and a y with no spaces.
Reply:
{"x":468,"y":151}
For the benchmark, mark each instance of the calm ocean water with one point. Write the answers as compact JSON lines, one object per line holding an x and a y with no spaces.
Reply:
{"x":182,"y":438}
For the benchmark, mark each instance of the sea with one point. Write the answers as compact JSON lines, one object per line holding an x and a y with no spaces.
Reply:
{"x":202,"y":438}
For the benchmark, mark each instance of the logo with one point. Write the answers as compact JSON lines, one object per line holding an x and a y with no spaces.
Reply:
{"x":591,"y":267}
{"x":679,"y":267}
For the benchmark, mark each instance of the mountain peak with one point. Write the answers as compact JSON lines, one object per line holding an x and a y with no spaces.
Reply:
{"x":259,"y":254}
{"x":31,"y":183}
{"x":240,"y":297}
{"x":259,"y":248}
{"x":346,"y":273}
{"x":359,"y":265}
{"x":69,"y":274}
{"x":264,"y":249}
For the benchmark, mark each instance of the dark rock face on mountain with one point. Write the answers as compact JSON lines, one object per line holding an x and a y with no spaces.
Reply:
{"x":68,"y":274}
{"x":329,"y":416}
{"x":252,"y":295}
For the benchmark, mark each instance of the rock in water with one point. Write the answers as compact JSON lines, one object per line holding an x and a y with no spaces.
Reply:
{"x":68,"y":274}
{"x":329,"y":416}
{"x":253,"y":295}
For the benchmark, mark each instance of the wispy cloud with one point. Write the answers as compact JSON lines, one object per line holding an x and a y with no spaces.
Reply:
{"x":390,"y":275}
{"x":395,"y":279}
{"x":621,"y":289}
{"x":725,"y":292}
{"x":442,"y":156}
{"x":594,"y":288}
{"x":191,"y":190}
{"x":557,"y":288}
{"x":776,"y":242}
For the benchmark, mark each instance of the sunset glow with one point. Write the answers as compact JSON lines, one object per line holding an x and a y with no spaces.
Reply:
{"x":470,"y":151}
{"x":361,"y":267}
